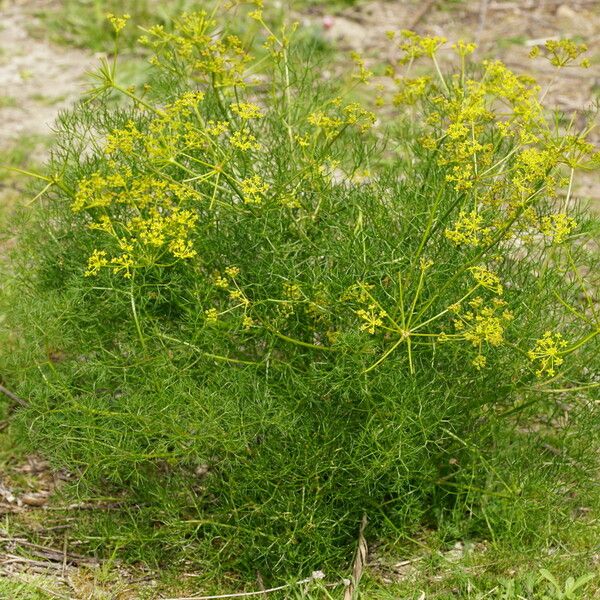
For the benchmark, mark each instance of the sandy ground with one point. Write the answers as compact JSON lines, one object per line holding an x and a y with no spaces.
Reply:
{"x":37,"y":78}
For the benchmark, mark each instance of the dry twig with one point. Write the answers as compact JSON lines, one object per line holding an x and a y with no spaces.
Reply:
{"x":360,"y":560}
{"x":12,"y":396}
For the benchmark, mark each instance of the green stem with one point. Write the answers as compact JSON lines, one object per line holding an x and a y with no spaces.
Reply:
{"x":298,"y":342}
{"x":439,"y":72}
{"x":135,"y":98}
{"x":386,"y":354}
{"x":209,"y":354}
{"x":136,"y":319}
{"x":441,"y":314}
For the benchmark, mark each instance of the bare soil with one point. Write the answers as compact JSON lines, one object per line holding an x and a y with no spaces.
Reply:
{"x":37,"y":78}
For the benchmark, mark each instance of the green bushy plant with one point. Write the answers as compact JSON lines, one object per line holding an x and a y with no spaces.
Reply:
{"x":252,"y":309}
{"x":83,"y":22}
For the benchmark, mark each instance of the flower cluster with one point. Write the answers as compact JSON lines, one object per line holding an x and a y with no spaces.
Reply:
{"x":247,"y":110}
{"x":561,"y":53}
{"x":557,"y":227}
{"x":410,"y":90}
{"x":482,"y":325}
{"x":118,"y":23}
{"x":468,"y":230}
{"x":171,"y":171}
{"x":372,"y":318}
{"x":494,"y":143}
{"x":487,"y":279}
{"x":547,"y":353}
{"x":253,"y":189}
{"x":362,"y":74}
{"x":414,"y":46}
{"x":340,"y":116}
{"x":208,"y":58}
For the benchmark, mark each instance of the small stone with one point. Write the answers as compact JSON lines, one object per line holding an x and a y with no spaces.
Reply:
{"x":566,"y":12}
{"x":202,"y":470}
{"x":34,"y":499}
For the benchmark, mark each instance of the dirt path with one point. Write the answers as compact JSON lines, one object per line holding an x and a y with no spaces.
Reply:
{"x":37,"y":78}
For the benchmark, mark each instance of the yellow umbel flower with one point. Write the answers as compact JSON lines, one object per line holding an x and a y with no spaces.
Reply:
{"x":244,"y":140}
{"x":561,"y":52}
{"x":483,"y":324}
{"x":253,"y":188}
{"x":356,"y":115}
{"x":247,"y":110}
{"x":302,"y":141}
{"x":479,"y":361}
{"x":95,"y":262}
{"x":292,"y":291}
{"x":181,"y":248}
{"x":216,"y":128}
{"x":211,"y":315}
{"x":97,"y":191}
{"x":362,"y":74}
{"x":123,"y":262}
{"x":239,"y":297}
{"x":462,"y":176}
{"x":411,"y":90}
{"x":118,"y":23}
{"x":558,"y":227}
{"x":220,"y":281}
{"x":372,"y":317}
{"x":328,"y":124}
{"x":486,"y":327}
{"x":487,"y":279}
{"x":123,"y":140}
{"x":464,"y":48}
{"x":546,"y":353}
{"x":467,"y":230}
{"x":185,"y":102}
{"x":414,"y":46}
{"x":233,"y":272}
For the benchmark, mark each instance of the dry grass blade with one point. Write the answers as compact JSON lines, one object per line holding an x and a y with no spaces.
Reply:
{"x":52,"y":555}
{"x":360,"y":560}
{"x":316,"y":575}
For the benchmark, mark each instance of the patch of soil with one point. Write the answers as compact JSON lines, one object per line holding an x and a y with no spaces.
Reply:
{"x":37,"y":78}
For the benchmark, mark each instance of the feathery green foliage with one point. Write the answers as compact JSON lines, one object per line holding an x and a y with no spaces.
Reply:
{"x":252,"y":309}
